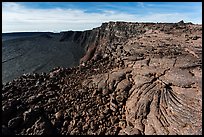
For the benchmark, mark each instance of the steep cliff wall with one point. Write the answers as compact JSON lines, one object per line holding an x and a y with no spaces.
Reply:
{"x":99,"y":38}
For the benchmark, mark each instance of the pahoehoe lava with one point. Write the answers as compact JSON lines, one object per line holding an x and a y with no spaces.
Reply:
{"x":132,"y":79}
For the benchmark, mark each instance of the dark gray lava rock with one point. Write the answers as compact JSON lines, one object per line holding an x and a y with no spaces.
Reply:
{"x":15,"y":122}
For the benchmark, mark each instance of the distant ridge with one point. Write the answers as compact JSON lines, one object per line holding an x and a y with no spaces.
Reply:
{"x":25,"y":33}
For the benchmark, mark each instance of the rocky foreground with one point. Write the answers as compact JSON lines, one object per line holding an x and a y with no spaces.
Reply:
{"x":135,"y":79}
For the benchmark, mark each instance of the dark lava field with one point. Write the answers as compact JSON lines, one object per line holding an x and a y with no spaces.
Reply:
{"x":122,"y":78}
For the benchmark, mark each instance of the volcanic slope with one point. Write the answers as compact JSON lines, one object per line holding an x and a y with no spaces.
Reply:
{"x":37,"y":53}
{"x":135,"y":78}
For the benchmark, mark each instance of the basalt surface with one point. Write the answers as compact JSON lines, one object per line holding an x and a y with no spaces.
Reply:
{"x":134,"y":79}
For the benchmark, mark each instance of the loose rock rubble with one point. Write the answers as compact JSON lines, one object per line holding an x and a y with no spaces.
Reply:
{"x":140,"y":79}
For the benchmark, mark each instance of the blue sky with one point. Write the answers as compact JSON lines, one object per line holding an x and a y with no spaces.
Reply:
{"x":62,"y":16}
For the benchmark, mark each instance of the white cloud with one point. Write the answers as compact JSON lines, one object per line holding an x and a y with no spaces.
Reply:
{"x":141,"y":4}
{"x":11,"y":5}
{"x":16,"y":17}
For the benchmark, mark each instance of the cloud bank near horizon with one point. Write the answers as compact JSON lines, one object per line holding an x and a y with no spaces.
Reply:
{"x":21,"y":17}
